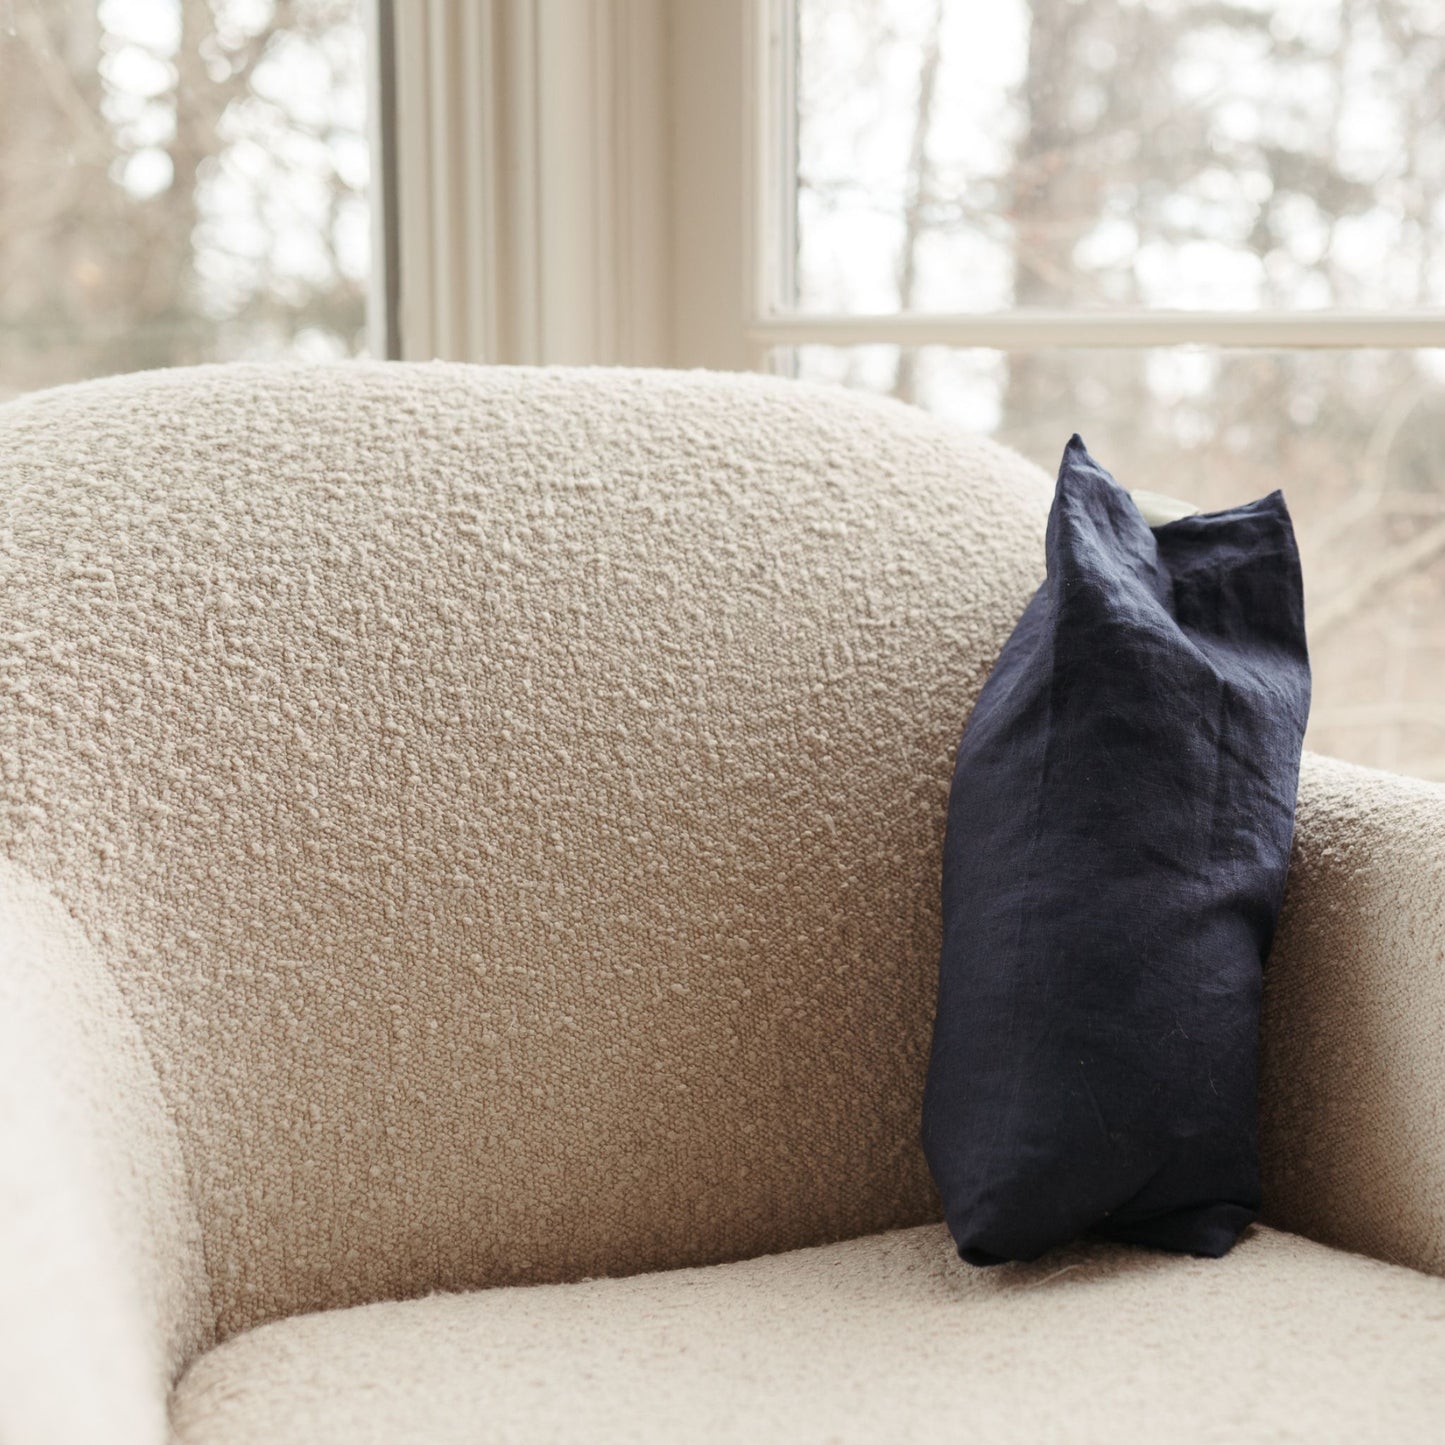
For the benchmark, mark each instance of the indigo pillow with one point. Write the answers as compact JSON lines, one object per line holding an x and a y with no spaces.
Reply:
{"x":1118,"y":833}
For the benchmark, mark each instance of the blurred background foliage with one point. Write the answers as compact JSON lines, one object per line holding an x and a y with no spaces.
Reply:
{"x":1215,"y":154}
{"x":180,"y":181}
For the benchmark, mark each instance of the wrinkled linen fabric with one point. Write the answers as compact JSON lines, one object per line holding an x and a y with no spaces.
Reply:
{"x":1118,"y":838}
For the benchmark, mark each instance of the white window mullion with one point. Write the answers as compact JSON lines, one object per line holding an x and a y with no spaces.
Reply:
{"x":382,"y":300}
{"x":1024,"y":330}
{"x":770,"y":103}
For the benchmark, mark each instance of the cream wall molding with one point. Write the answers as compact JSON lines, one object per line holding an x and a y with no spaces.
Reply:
{"x":531,"y":179}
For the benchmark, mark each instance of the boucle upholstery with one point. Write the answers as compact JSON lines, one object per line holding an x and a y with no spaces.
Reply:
{"x":879,"y":1339}
{"x":477,"y":827}
{"x":1352,"y":1060}
{"x":103,"y":1294}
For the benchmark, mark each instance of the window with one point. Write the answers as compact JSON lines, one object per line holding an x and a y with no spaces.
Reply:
{"x":180,"y":181}
{"x":1209,"y":237}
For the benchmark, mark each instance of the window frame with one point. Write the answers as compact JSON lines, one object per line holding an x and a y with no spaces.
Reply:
{"x":614,"y":182}
{"x":773,"y":322}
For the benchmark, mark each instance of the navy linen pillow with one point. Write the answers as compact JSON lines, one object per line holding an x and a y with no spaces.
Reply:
{"x":1118,"y":834}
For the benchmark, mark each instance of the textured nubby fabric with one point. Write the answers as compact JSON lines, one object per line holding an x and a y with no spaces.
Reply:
{"x":103,"y":1292}
{"x":1352,"y":1057}
{"x":508,"y":802}
{"x":879,"y":1339}
{"x":471,"y":826}
{"x":1118,"y":837}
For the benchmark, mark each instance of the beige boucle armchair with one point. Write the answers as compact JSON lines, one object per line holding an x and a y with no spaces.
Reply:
{"x":471,"y":852}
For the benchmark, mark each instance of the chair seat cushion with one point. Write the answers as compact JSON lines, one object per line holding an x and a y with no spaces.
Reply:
{"x":882,"y":1338}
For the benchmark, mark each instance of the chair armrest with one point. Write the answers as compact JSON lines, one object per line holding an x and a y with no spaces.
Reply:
{"x":102,"y":1288}
{"x":1352,"y":1066}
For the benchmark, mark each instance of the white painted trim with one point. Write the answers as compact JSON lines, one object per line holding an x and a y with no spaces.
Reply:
{"x":716,"y":138}
{"x":1024,"y":330}
{"x":477,"y":144}
{"x":640,"y":153}
{"x":413,"y":205}
{"x":381,"y":293}
{"x":443,"y":55}
{"x":531,"y":140}
{"x":513,"y":154}
{"x":769,"y":102}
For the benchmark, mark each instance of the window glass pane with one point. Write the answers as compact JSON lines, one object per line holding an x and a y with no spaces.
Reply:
{"x":1117,"y":153}
{"x":1354,"y":438}
{"x":180,"y":181}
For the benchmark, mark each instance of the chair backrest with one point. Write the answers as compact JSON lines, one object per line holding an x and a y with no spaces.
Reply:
{"x":510,"y":801}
